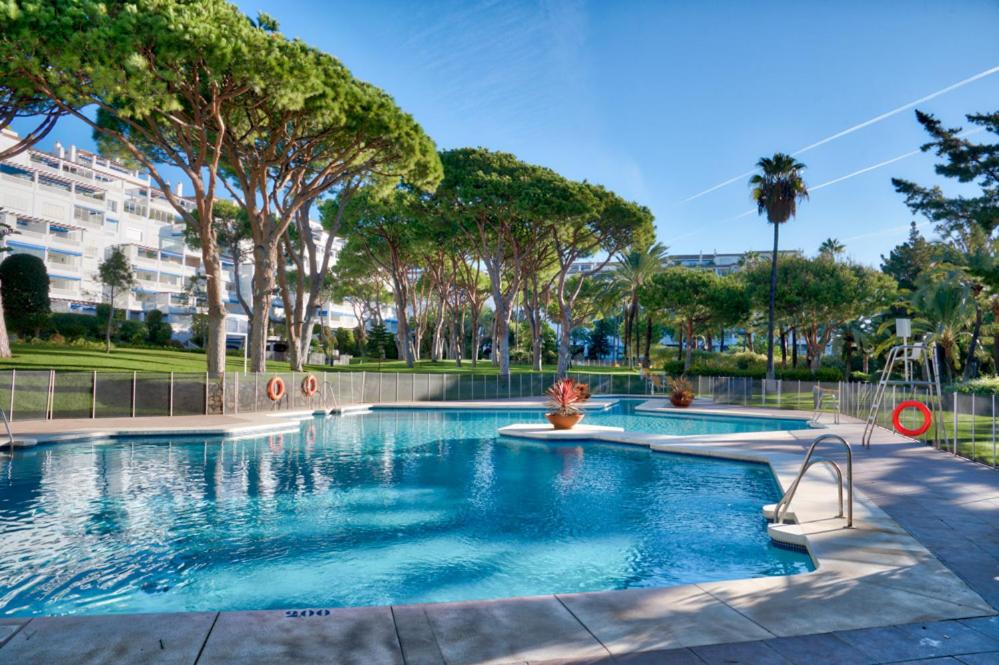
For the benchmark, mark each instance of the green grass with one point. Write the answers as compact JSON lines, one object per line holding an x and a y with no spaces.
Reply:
{"x":484,"y":367}
{"x":62,"y":358}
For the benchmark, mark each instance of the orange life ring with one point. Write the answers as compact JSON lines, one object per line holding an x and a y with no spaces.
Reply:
{"x":310,"y":385}
{"x":275,"y":388}
{"x":912,"y":404}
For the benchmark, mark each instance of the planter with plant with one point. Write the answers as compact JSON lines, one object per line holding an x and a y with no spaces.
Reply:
{"x":681,"y":392}
{"x":562,"y":399}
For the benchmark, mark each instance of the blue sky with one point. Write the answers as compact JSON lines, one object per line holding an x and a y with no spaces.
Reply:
{"x":662,"y":100}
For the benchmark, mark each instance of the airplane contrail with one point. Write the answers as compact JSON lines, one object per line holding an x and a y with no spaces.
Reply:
{"x":854,"y":174}
{"x":857,"y":127}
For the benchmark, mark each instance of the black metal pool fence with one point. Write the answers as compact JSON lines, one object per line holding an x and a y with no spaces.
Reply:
{"x":968,"y":428}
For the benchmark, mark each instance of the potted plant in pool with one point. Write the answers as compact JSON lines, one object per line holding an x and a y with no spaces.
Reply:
{"x":563,"y":398}
{"x":681,"y":392}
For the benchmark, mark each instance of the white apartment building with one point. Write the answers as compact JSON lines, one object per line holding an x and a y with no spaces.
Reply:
{"x":70,"y":207}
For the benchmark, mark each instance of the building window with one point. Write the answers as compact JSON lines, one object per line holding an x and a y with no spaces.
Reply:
{"x":136,"y":207}
{"x":88,"y":216}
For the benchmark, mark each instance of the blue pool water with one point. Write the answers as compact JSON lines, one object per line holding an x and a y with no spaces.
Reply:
{"x":389,"y":507}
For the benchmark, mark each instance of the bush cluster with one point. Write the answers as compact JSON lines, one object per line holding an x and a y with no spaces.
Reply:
{"x":748,"y":364}
{"x":86,"y":331}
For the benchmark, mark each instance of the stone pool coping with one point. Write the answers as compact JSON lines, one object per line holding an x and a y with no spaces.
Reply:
{"x":876,"y":565}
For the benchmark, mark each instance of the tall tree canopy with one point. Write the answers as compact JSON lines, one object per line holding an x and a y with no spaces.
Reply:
{"x":777,"y":189}
{"x":163,"y":76}
{"x":819,"y":295}
{"x":310,"y":129}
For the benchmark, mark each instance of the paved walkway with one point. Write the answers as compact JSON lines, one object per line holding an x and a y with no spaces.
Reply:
{"x":950,"y":505}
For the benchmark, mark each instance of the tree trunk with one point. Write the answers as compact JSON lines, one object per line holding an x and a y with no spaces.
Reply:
{"x":772,"y":307}
{"x":783,"y":348}
{"x":564,"y":343}
{"x":107,"y":329}
{"x":215,"y":293}
{"x":476,"y":336}
{"x":264,"y":272}
{"x":688,"y":359}
{"x":294,"y":350}
{"x":4,"y":340}
{"x":501,"y":339}
{"x":969,"y":363}
{"x":437,"y":339}
{"x":647,"y":362}
{"x":794,"y":347}
{"x":402,"y":329}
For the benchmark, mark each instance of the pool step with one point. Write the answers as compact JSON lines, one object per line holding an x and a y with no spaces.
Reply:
{"x":771,"y":508}
{"x":788,"y":534}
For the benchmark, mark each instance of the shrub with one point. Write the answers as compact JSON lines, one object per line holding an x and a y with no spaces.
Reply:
{"x":789,"y":374}
{"x":158,"y":331}
{"x":75,"y":326}
{"x":24,"y":286}
{"x":56,"y":338}
{"x":982,"y":386}
{"x":131,"y":332}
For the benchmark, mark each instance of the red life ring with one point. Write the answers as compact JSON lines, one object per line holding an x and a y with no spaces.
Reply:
{"x":310,"y":385}
{"x":912,"y":404}
{"x":275,"y":388}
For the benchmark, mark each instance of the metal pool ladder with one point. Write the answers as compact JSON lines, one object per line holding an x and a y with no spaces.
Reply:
{"x":10,"y":434}
{"x":785,"y":502}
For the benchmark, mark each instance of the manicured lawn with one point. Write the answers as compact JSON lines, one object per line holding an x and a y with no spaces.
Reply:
{"x":485,"y":367}
{"x":37,"y":357}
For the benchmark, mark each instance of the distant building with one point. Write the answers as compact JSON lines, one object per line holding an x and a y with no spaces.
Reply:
{"x":70,"y":207}
{"x":720,"y":263}
{"x":723,"y":264}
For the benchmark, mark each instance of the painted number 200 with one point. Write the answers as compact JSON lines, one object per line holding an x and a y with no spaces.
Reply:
{"x":301,"y":614}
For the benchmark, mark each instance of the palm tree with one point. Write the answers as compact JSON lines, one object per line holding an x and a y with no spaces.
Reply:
{"x":831,"y":247}
{"x":777,"y":188}
{"x":633,"y":271}
{"x":944,"y":305}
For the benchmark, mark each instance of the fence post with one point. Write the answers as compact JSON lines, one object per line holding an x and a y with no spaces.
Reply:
{"x":955,"y":423}
{"x":171,"y":394}
{"x":206,"y":393}
{"x":974,"y":422}
{"x":235,"y":392}
{"x":763,"y":391}
{"x":993,"y":431}
{"x":256,"y":391}
{"x":50,"y":396}
{"x":134,"y":376}
{"x":93,"y":397}
{"x":444,"y":389}
{"x":13,"y":382}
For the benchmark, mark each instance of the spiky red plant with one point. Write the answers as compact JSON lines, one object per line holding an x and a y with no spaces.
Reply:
{"x":563,"y":397}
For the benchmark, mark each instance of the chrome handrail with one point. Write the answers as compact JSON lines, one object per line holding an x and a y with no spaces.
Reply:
{"x":10,"y":433}
{"x":780,"y":510}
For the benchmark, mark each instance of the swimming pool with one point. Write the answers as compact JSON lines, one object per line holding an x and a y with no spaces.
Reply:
{"x":388,"y":507}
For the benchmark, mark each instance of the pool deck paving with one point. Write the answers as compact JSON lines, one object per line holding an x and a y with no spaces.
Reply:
{"x":916,"y":580}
